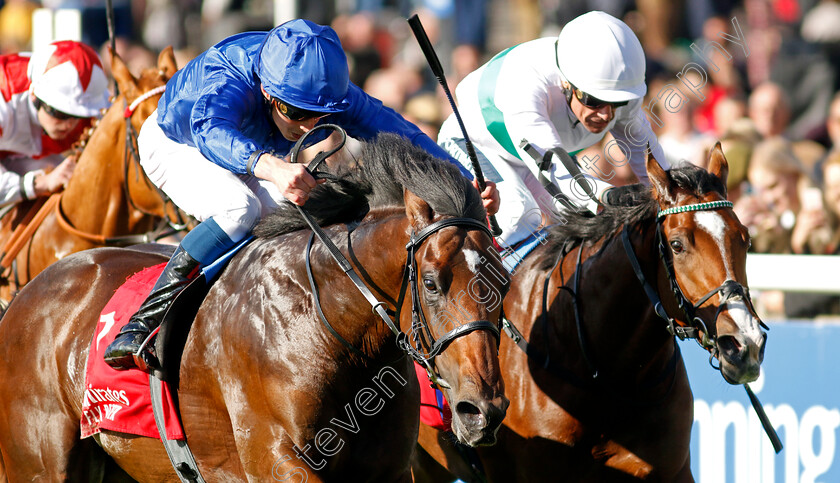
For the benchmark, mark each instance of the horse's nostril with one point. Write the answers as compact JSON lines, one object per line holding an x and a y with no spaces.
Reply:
{"x":470,"y":414}
{"x":467,"y":408}
{"x":729,"y":347}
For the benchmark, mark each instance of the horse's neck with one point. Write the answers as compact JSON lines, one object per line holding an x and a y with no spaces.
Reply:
{"x":377,"y":255}
{"x":621,"y":332}
{"x":94,"y":201}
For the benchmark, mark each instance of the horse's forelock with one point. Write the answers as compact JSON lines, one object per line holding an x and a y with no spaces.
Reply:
{"x":573,"y":229}
{"x":392,"y":163}
{"x":696,"y":181}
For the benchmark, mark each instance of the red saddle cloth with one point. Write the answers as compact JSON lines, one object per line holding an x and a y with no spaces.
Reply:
{"x":120,"y":400}
{"x":434,"y":410}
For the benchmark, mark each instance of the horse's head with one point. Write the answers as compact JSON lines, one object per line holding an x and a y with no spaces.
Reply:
{"x":460,"y":285}
{"x":702,"y":239}
{"x":139,"y":99}
{"x":132,"y":88}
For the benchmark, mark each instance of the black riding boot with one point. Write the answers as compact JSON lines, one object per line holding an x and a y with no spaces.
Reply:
{"x":180,"y":270}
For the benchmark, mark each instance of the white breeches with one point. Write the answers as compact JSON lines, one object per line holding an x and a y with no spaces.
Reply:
{"x":202,"y":188}
{"x":526,"y":207}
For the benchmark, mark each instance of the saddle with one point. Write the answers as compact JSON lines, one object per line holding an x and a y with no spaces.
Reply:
{"x":132,"y":401}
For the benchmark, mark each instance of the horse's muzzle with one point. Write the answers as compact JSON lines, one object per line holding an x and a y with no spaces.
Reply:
{"x":740,"y":359}
{"x":476,"y":423}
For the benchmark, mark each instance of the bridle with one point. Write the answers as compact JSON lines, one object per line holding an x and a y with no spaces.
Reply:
{"x":132,"y":156}
{"x":698,"y":328}
{"x":421,"y":334}
{"x":167,"y":225}
{"x":727,"y":290}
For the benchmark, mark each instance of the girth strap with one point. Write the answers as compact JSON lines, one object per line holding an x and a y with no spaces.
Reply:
{"x":178,"y":450}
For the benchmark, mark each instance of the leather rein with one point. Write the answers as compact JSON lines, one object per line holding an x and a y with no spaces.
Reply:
{"x":421,"y":334}
{"x":698,"y":329}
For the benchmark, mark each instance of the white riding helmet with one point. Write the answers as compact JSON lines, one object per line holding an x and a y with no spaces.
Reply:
{"x":601,"y":56}
{"x":68,"y":76}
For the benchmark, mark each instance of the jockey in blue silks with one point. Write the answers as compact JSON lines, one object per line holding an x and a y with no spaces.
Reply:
{"x":219,"y":142}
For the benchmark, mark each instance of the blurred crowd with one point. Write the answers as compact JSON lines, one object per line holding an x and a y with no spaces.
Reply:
{"x":760,"y":76}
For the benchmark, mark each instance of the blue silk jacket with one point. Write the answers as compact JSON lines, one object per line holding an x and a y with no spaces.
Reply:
{"x":214,"y":103}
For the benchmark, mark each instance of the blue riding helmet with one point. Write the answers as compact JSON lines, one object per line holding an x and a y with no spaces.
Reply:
{"x":303,"y":64}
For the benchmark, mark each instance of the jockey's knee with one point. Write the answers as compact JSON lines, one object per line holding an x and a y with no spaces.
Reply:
{"x":239,"y":221}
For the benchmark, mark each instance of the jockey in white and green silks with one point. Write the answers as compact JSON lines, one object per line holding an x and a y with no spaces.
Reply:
{"x":566,"y":92}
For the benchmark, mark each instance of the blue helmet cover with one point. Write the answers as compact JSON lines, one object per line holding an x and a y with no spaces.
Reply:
{"x":302,"y":63}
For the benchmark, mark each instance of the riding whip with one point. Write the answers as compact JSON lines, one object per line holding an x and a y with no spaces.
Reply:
{"x":437,"y":70}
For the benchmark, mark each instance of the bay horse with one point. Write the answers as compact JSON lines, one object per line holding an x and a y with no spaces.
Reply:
{"x":602,"y":394}
{"x":108,"y":197}
{"x":261,"y":375}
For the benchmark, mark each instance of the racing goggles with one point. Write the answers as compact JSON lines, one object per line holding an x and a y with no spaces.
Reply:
{"x":294,"y":113}
{"x":593,"y":102}
{"x":53,"y":112}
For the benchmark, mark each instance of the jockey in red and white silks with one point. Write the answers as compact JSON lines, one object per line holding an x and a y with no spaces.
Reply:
{"x":565,"y":91}
{"x":48,"y":100}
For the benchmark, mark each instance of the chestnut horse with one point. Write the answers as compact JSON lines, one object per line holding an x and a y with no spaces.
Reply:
{"x":263,"y":379}
{"x":602,"y":394}
{"x":109,"y":196}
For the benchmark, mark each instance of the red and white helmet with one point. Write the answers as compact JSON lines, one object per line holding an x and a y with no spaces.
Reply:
{"x":68,"y":76}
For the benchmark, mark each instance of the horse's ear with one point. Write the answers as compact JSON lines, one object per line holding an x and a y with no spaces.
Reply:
{"x":125,"y":81}
{"x":166,"y":62}
{"x":718,"y":165}
{"x":418,"y":211}
{"x":658,"y":177}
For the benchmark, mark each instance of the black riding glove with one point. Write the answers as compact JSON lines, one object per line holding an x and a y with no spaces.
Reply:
{"x":629,"y":195}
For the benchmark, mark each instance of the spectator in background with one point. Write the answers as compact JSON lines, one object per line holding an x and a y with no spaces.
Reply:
{"x":424,"y":110}
{"x":357,"y":33}
{"x":785,"y":214}
{"x":680,"y":141}
{"x":831,"y":196}
{"x":832,"y":127}
{"x":780,"y":183}
{"x":393,"y":85}
{"x":724,"y":79}
{"x":470,"y":37}
{"x":769,"y":109}
{"x":726,"y":112}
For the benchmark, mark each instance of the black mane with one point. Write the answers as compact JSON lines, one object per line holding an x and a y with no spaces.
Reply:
{"x":574,"y":228}
{"x":386,"y":167}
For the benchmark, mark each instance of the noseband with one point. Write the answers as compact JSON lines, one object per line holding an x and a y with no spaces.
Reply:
{"x":421,"y":334}
{"x":419,"y":327}
{"x":729,"y":289}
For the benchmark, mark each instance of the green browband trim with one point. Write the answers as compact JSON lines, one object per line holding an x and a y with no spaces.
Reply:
{"x":712,"y":205}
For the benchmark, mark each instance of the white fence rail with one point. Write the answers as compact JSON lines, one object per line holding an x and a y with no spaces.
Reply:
{"x":794,"y":273}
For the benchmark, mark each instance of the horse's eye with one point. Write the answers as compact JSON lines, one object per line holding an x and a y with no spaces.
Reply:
{"x":676,"y":246}
{"x":430,"y":285}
